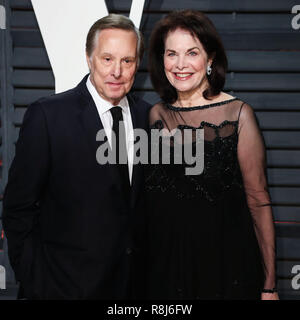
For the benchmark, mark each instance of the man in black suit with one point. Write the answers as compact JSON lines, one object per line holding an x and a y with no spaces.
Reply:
{"x":71,"y":223}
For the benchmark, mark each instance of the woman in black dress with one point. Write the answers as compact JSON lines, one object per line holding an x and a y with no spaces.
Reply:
{"x":211,"y":235}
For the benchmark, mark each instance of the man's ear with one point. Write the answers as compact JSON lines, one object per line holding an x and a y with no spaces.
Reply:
{"x":88,"y":60}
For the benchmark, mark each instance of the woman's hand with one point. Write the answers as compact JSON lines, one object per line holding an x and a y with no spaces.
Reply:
{"x":269,"y":296}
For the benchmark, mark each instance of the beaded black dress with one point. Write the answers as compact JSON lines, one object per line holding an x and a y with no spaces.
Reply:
{"x":211,"y":235}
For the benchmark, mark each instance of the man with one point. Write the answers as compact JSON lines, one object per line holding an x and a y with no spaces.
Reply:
{"x":70,"y":222}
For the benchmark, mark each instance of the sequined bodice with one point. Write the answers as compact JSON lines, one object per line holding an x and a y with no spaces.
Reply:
{"x":221,"y":169}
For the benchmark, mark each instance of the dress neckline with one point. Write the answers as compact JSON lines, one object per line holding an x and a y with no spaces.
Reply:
{"x":205,"y":106}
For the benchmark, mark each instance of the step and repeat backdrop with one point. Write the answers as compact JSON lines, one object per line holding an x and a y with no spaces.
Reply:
{"x":262,"y":39}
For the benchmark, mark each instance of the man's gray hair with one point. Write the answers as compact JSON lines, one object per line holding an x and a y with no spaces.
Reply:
{"x":113,"y":21}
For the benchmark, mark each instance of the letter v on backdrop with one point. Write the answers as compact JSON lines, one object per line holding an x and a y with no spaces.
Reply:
{"x":64,"y":25}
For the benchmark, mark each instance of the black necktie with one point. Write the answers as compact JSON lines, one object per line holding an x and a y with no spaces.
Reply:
{"x":120,"y":145}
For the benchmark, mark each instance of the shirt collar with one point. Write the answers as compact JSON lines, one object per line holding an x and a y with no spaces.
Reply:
{"x":103,"y":105}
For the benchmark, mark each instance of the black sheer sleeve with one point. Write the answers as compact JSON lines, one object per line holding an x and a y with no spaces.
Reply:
{"x":251,"y":155}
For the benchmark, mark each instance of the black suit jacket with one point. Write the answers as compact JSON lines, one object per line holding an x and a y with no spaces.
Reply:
{"x":72,"y":234}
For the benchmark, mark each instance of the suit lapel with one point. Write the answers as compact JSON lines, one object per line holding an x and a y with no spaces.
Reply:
{"x":90,"y":121}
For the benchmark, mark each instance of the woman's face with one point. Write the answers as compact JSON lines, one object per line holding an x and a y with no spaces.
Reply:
{"x":185,"y":62}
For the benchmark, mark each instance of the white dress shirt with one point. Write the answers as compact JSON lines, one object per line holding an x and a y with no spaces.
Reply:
{"x":103,"y":108}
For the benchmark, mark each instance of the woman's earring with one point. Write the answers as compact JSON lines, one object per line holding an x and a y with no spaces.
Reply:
{"x":208,"y":70}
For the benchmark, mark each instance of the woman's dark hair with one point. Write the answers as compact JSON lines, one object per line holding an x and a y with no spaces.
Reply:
{"x":200,"y":27}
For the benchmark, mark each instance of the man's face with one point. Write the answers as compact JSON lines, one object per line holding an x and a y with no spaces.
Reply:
{"x":113,"y":63}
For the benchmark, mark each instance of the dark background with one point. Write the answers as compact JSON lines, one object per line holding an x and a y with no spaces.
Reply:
{"x":264,"y":70}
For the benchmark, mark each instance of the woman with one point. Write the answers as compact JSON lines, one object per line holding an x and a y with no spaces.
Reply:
{"x":211,"y":235}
